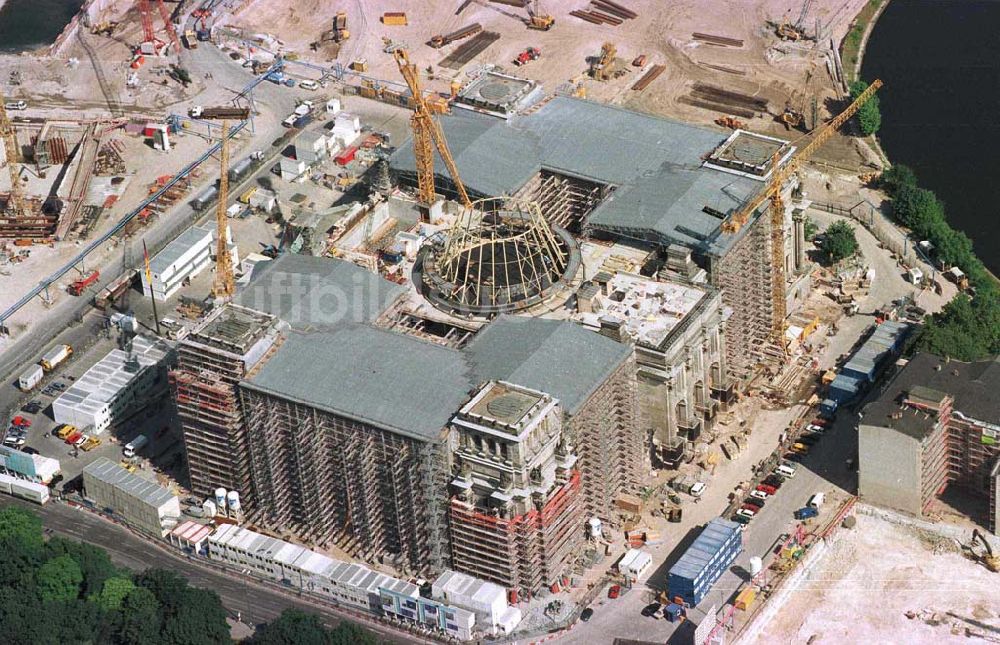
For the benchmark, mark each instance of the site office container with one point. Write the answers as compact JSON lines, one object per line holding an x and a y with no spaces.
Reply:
{"x":30,"y":378}
{"x":704,"y":562}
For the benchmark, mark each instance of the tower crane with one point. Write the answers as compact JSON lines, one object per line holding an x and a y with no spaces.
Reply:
{"x":772,"y":193}
{"x":427,"y":135}
{"x":15,"y":204}
{"x":224,"y":285}
{"x":148,"y":34}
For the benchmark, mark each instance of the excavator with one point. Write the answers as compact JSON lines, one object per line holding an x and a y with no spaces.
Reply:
{"x":987,"y":558}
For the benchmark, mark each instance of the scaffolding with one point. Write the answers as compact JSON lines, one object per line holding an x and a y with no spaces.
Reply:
{"x":211,"y":362}
{"x":524,"y":552}
{"x":325,"y":478}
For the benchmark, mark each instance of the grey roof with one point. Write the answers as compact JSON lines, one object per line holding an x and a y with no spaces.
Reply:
{"x":413,"y":387}
{"x":135,"y":486}
{"x":178,"y":247}
{"x":973,"y":386}
{"x":560,"y":358}
{"x":655,"y":163}
{"x":371,"y":375}
{"x":314,"y":292}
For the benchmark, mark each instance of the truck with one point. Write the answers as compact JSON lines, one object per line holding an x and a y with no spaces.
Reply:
{"x":30,"y":378}
{"x":79,"y":286}
{"x":55,"y":356}
{"x":190,"y":39}
{"x":133,"y":446}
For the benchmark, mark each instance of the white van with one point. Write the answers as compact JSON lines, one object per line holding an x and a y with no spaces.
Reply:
{"x":785,"y":471}
{"x":816,"y":500}
{"x":309,"y":85}
{"x":16,"y":105}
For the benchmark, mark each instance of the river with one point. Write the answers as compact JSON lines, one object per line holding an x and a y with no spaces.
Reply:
{"x":940,"y":65}
{"x":29,"y":24}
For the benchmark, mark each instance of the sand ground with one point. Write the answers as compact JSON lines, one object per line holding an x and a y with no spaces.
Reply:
{"x":875,"y":577}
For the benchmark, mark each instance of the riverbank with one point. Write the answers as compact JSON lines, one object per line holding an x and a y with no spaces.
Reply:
{"x":853,"y":48}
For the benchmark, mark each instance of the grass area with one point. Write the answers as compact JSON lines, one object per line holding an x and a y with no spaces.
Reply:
{"x":850,"y":49}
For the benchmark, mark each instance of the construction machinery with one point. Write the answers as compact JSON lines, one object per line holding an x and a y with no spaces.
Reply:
{"x":791,"y":117}
{"x":225,"y":284}
{"x":427,"y":134}
{"x":795,"y":31}
{"x":537,"y":19}
{"x":340,"y":32}
{"x":730,"y":122}
{"x":772,"y":192}
{"x":16,"y":205}
{"x":528,"y":55}
{"x":602,"y":66}
{"x":151,"y":45}
{"x":987,"y":558}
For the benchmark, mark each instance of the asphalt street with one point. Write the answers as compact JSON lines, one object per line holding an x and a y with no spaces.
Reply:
{"x":254,"y":602}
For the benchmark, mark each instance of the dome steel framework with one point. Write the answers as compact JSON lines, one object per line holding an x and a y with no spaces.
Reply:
{"x":499,"y":256}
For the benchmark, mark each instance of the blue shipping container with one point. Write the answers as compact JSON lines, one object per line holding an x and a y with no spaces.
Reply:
{"x":708,"y":557}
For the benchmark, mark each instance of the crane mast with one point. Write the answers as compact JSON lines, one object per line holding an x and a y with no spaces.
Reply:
{"x":772,"y":193}
{"x":15,"y":204}
{"x":224,"y":285}
{"x":427,"y":135}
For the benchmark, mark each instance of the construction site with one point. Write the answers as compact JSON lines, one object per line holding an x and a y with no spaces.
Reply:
{"x":503,"y":287}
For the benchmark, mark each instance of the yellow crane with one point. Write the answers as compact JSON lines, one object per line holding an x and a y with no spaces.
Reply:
{"x":772,"y":192}
{"x":427,"y":134}
{"x":15,"y":204}
{"x":225,"y":283}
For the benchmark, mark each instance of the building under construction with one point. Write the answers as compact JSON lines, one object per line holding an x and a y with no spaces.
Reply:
{"x":607,"y":173}
{"x":935,"y":426}
{"x":212,"y":360}
{"x":345,"y":428}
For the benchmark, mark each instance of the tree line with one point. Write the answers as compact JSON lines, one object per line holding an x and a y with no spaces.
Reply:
{"x":58,"y":591}
{"x":967,"y":328}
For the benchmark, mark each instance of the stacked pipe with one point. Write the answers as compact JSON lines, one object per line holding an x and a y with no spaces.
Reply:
{"x":605,"y":12}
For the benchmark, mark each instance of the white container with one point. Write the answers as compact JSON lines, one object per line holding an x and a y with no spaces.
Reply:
{"x":209,"y":508}
{"x":220,"y":497}
{"x":30,"y":378}
{"x":233,"y":498}
{"x":594,"y":526}
{"x":756,"y":565}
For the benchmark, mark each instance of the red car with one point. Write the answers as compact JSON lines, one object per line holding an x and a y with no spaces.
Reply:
{"x":820,"y":422}
{"x":20,"y":422}
{"x":614,"y":591}
{"x":770,"y":490}
{"x":752,"y":505}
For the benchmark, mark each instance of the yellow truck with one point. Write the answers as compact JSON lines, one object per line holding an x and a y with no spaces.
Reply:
{"x":65,"y":430}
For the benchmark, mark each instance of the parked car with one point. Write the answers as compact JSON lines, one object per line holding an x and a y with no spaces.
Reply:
{"x":819,"y":421}
{"x":767,"y":488}
{"x":742,"y":519}
{"x":614,"y":591}
{"x":812,"y":427}
{"x":28,"y":450}
{"x":800,"y":448}
{"x":758,"y":494}
{"x":790,"y":457}
{"x":14,"y":442}
{"x":805,"y":513}
{"x":774,"y":480}
{"x":809,"y":439}
{"x":21,"y":422}
{"x":586,"y":614}
{"x":746,"y":512}
{"x":32,"y":407}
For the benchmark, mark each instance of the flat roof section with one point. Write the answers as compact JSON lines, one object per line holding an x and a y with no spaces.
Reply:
{"x":178,"y":247}
{"x":135,"y":486}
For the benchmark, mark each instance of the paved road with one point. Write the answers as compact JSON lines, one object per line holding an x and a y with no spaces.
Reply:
{"x":61,"y":321}
{"x":255,"y":603}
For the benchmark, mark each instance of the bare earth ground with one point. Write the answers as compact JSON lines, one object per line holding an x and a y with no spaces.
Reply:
{"x":764,"y":67}
{"x":863,"y":588}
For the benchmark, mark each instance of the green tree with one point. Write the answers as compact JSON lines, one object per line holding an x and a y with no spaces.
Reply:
{"x":895,"y":177}
{"x":839,"y":241}
{"x":809,"y":228}
{"x":22,"y":525}
{"x":19,"y":563}
{"x":139,"y":619}
{"x":168,"y":587}
{"x":198,"y":619}
{"x":292,"y":626}
{"x":59,"y":579}
{"x":918,"y":209}
{"x":93,"y":560}
{"x":869,"y":115}
{"x":113,"y":593}
{"x":348,"y":633}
